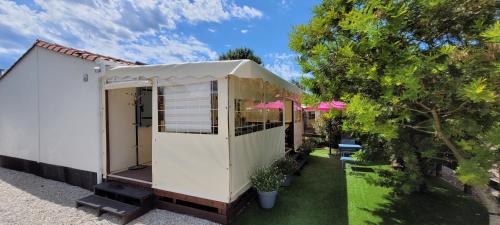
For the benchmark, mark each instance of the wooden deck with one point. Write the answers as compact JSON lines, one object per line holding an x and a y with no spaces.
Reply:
{"x":141,"y":174}
{"x":141,"y":177}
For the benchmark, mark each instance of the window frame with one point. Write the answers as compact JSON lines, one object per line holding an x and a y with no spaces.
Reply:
{"x":214,"y":109}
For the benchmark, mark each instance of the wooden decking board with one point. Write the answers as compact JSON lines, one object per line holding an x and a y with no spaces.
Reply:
{"x":124,"y":190}
{"x":140,"y":174}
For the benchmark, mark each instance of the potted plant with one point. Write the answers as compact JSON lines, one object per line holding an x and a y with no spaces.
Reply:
{"x":307,"y":147}
{"x":287,"y":166}
{"x":267,"y":181}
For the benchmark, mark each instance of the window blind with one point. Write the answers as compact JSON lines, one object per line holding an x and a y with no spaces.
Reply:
{"x":188,"y":108}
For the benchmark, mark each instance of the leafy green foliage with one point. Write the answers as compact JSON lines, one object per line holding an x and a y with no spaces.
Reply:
{"x":360,"y":156}
{"x":477,"y":91}
{"x":421,"y":75}
{"x":267,"y":179}
{"x":492,"y":35}
{"x":403,"y":181}
{"x":240,"y":53}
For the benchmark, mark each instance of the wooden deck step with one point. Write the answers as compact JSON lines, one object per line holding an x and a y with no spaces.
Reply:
{"x":112,"y":188}
{"x":125,"y":211}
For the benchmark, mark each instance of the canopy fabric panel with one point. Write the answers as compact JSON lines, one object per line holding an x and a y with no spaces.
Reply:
{"x":199,"y":71}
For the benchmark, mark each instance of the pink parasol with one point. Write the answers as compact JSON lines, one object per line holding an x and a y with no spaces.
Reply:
{"x":324,"y":106}
{"x":275,"y":105}
{"x":338,"y":104}
{"x":261,"y":106}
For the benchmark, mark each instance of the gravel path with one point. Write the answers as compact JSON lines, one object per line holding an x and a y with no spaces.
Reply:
{"x":28,"y":199}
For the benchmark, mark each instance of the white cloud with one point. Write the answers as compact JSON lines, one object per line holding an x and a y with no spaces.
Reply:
{"x":6,"y":51}
{"x":136,"y":30}
{"x":244,"y":31}
{"x":286,"y":4}
{"x":244,"y":12}
{"x":283,"y":64}
{"x":211,"y":30}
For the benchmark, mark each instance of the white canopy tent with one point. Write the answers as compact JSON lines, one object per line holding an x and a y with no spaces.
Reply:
{"x":196,"y":72}
{"x":214,"y":166}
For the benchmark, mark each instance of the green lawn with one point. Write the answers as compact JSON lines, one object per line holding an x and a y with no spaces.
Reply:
{"x":325,"y":194}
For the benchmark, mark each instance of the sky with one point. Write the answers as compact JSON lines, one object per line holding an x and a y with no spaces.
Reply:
{"x":157,"y":31}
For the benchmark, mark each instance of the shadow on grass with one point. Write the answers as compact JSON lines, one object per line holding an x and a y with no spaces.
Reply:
{"x":440,"y":205}
{"x":318,"y":196}
{"x":362,"y":169}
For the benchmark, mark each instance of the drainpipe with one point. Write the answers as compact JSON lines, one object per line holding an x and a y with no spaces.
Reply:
{"x":100,"y":71}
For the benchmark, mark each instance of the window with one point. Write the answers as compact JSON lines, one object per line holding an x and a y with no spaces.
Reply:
{"x":248,"y":106}
{"x":258,"y":105}
{"x":144,"y":109}
{"x":274,"y":106}
{"x":189,"y":108}
{"x":311,"y":115}
{"x":248,"y":117}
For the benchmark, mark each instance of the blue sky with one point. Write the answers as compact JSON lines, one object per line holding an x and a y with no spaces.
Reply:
{"x":155,"y":31}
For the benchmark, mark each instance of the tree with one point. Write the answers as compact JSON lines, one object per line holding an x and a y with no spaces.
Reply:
{"x":240,"y":53}
{"x":408,"y":69}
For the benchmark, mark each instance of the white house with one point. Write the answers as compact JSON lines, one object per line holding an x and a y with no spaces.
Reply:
{"x":192,"y":131}
{"x":50,"y":115}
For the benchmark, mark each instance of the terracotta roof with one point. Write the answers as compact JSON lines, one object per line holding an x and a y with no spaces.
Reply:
{"x":71,"y":52}
{"x":79,"y":53}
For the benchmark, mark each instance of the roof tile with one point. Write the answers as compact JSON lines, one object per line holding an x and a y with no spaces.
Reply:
{"x":68,"y":51}
{"x":79,"y":53}
{"x":92,"y":57}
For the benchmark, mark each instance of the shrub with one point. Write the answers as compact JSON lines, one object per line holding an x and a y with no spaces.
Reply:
{"x":402,"y":181}
{"x":360,"y":156}
{"x":308,"y":146}
{"x":267,"y":179}
{"x":286,"y":165}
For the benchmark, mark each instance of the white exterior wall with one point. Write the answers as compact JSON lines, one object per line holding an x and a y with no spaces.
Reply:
{"x":48,"y":113}
{"x":251,"y":151}
{"x":19,"y":110}
{"x":193,"y":164}
{"x":69,"y":111}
